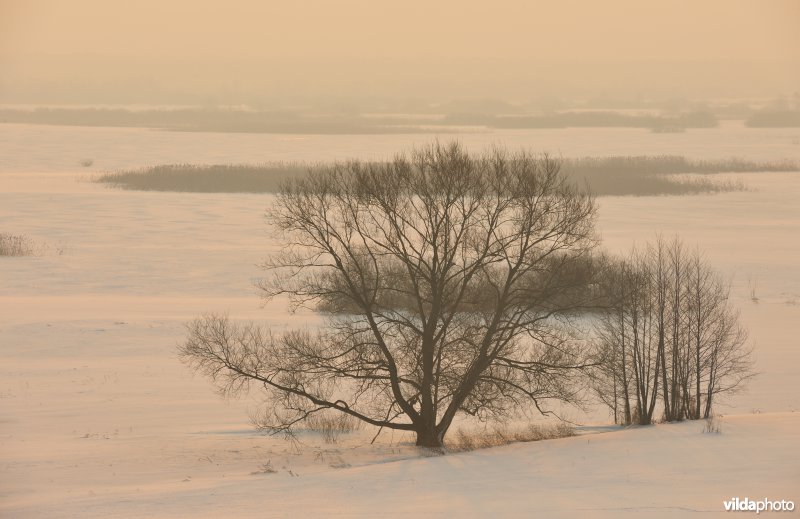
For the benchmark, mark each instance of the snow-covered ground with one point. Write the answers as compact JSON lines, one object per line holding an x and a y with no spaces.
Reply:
{"x":98,"y":418}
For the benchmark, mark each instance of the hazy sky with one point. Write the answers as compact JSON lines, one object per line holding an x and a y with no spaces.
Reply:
{"x":166,"y":50}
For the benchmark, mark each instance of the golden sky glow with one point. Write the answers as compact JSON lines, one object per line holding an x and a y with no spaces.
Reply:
{"x":280,"y":45}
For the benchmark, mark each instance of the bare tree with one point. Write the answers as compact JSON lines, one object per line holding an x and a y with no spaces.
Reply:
{"x":454,"y":279}
{"x":718,"y":357}
{"x":628,"y":340}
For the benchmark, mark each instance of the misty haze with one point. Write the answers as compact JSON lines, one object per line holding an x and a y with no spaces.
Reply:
{"x":272,"y":259}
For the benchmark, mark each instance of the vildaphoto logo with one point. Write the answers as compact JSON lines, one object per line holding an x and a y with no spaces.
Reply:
{"x":763,"y":505}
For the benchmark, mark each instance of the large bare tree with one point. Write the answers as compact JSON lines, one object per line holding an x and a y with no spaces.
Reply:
{"x":449,"y":282}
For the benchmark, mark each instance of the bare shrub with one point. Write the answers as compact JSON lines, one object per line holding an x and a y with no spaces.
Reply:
{"x":331,"y":425}
{"x":712,"y":425}
{"x":16,"y":245}
{"x":332,"y":458}
{"x":547,"y":432}
{"x":266,"y":468}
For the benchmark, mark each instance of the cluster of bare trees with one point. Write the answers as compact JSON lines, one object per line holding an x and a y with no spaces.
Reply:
{"x":670,"y":342}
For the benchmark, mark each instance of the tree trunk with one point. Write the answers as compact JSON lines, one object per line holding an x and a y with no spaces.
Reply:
{"x":625,"y":391}
{"x":430,"y":437}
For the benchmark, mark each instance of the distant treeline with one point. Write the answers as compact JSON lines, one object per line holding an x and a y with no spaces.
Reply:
{"x":775,"y":119}
{"x":605,"y":176}
{"x":599,"y":119}
{"x":201,"y":120}
{"x":276,"y":121}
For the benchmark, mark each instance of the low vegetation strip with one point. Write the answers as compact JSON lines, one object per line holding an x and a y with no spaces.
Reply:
{"x":466,"y":440}
{"x":659,"y":175}
{"x":605,"y":176}
{"x":207,"y":178}
{"x":16,"y":245}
